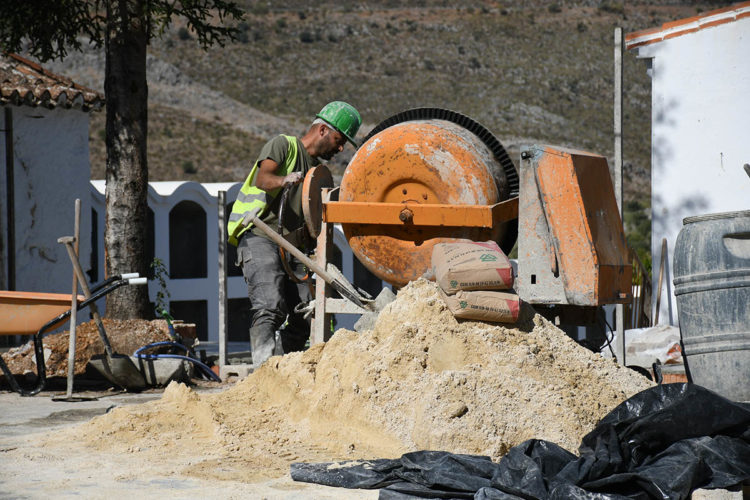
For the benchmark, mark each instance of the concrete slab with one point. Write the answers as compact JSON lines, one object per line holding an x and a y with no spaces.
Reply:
{"x":23,"y":416}
{"x":240,"y":371}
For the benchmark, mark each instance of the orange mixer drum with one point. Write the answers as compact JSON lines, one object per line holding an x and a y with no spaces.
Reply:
{"x":428,"y":161}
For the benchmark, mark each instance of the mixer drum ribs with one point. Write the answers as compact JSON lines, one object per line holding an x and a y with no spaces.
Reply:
{"x":433,"y":171}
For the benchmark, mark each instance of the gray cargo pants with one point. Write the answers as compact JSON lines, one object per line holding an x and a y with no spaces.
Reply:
{"x":273,"y":297}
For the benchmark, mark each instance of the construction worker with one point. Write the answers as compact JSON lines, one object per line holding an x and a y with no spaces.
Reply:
{"x":282,"y":163}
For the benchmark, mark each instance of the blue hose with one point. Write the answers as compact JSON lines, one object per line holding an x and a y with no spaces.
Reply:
{"x":159,"y":344}
{"x":206,"y":370}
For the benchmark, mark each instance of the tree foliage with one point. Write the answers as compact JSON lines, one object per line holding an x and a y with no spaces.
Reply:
{"x":638,"y":231}
{"x":52,"y":27}
{"x":124,"y":28}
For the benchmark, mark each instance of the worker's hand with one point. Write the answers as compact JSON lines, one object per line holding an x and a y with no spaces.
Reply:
{"x":293,"y":178}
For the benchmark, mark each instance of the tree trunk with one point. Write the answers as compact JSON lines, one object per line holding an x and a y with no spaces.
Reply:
{"x":127,"y":171}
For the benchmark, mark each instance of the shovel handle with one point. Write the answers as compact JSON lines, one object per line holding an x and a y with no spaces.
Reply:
{"x":87,"y":293}
{"x":279,"y":240}
{"x":307,"y":261}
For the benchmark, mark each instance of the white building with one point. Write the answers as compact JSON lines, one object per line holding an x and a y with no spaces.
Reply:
{"x":44,"y":168}
{"x":700,"y":119}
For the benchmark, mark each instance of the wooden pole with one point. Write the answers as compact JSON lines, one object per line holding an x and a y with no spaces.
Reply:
{"x":619,"y":308}
{"x":322,"y":319}
{"x":10,"y":199}
{"x":668,"y":277}
{"x":662,"y":264}
{"x":222,"y":203}
{"x":74,"y":305}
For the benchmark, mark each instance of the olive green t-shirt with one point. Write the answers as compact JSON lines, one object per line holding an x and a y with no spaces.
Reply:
{"x":277,"y":149}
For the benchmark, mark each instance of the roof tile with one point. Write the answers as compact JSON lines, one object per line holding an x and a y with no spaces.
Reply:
{"x":681,"y":27}
{"x":24,"y":82}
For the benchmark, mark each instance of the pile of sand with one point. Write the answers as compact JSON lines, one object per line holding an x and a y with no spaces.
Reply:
{"x":419,"y":380}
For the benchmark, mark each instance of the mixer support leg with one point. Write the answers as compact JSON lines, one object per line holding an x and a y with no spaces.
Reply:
{"x":320,"y":330}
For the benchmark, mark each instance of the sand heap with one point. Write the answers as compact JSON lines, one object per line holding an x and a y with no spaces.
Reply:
{"x":418,"y":380}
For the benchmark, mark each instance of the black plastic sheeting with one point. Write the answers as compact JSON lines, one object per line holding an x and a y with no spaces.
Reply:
{"x":664,"y":442}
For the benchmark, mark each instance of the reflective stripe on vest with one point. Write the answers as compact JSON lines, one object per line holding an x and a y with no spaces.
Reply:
{"x":252,"y":199}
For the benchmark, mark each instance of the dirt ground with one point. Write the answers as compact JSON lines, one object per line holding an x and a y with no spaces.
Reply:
{"x":33,"y":469}
{"x":125,"y":336}
{"x":420,"y":379}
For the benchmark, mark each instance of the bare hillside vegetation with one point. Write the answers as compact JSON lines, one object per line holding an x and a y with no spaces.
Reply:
{"x":531,"y":72}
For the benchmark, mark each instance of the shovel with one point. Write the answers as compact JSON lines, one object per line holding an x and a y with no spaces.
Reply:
{"x":117,"y":368}
{"x":339,"y":283}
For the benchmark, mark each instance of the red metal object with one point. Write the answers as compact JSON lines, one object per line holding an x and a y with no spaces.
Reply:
{"x":24,"y":313}
{"x":572,"y":247}
{"x":413,"y":185}
{"x":312,"y":203}
{"x":480,"y":216}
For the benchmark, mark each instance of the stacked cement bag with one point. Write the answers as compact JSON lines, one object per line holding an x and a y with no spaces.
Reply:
{"x":470,"y":275}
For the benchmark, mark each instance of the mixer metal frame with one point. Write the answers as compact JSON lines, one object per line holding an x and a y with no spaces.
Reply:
{"x":416,"y":214}
{"x":388,"y":214}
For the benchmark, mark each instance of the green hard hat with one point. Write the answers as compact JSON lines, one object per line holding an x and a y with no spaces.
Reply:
{"x":343,"y":117}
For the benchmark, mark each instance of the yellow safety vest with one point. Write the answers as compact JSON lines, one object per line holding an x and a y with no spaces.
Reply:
{"x":252,"y":199}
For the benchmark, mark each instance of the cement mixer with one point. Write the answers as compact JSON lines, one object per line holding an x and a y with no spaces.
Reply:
{"x":421,"y":178}
{"x":428,"y":175}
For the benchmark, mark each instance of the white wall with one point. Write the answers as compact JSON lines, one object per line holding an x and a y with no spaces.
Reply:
{"x":700,"y":130}
{"x":162,"y":198}
{"x":51,"y":170}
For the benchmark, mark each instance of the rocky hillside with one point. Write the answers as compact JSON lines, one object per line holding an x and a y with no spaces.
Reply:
{"x":531,"y":72}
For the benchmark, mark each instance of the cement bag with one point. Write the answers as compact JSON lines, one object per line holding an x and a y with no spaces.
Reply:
{"x":499,"y":307}
{"x":471,"y":266}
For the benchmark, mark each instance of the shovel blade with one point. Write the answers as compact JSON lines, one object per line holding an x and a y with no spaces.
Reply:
{"x":120,"y":371}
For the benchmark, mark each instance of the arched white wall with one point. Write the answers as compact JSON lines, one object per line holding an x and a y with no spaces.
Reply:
{"x":162,"y":198}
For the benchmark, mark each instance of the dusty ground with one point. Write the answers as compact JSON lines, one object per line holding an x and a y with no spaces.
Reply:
{"x":419,"y":380}
{"x":32,"y":469}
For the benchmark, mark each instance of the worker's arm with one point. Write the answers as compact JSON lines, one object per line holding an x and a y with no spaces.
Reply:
{"x":267,"y":180}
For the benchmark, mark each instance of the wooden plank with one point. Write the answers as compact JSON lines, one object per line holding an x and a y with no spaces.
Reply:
{"x":223,"y":338}
{"x":320,"y":329}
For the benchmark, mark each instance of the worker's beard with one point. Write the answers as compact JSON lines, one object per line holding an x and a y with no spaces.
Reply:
{"x":332,"y":146}
{"x":330,"y":153}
